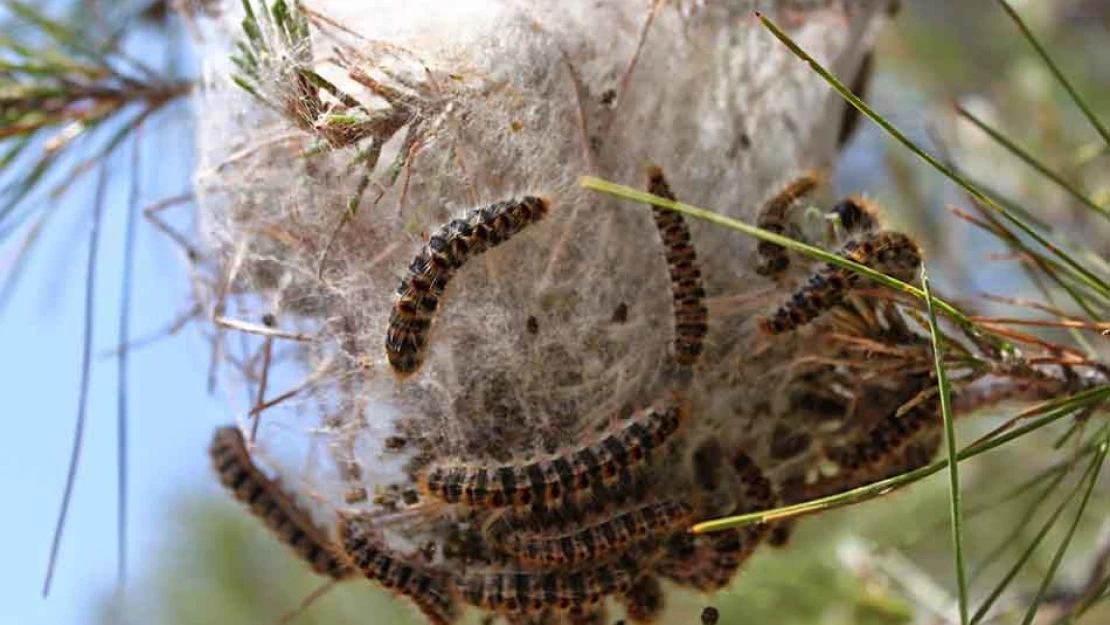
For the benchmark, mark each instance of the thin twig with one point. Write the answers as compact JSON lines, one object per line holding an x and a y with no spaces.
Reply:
{"x":254,"y":328}
{"x":83,"y":396}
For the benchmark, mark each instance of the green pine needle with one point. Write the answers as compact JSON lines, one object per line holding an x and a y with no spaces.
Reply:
{"x":950,"y":445}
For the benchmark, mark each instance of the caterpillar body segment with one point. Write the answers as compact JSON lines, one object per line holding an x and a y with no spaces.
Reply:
{"x":428,"y":588}
{"x":560,"y":591}
{"x":598,"y":541}
{"x":546,"y":483}
{"x":447,"y":250}
{"x":276,"y":509}
{"x":691,"y":313}
{"x":890,"y":252}
{"x":772,"y":217}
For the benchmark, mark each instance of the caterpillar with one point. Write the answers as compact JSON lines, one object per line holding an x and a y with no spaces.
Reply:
{"x":707,"y":464}
{"x":709,"y":562}
{"x":756,"y":490}
{"x":691,"y":314}
{"x":891,"y":252}
{"x":885,"y":440}
{"x":446,"y":251}
{"x":598,"y":541}
{"x":772,"y":218}
{"x":546,"y":483}
{"x":275,"y":508}
{"x":645,"y":601}
{"x":596,"y":615}
{"x":426,"y":587}
{"x":525,"y":592}
{"x":855,"y":215}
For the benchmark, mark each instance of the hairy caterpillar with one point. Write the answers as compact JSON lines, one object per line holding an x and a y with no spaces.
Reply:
{"x":772,"y":218}
{"x":521,"y":592}
{"x":855,"y":214}
{"x":275,"y":508}
{"x":691,"y":315}
{"x":597,"y":615}
{"x":890,"y":252}
{"x":645,"y":601}
{"x":428,"y":588}
{"x":885,"y":440}
{"x":546,"y":483}
{"x":446,"y":252}
{"x":599,"y":540}
{"x":710,"y":562}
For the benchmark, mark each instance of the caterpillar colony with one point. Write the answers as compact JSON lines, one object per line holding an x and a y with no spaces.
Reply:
{"x":541,"y":463}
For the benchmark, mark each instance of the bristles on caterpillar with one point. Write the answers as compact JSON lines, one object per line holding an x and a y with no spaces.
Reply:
{"x":600,"y":540}
{"x":524,"y":592}
{"x":890,"y":252}
{"x":447,"y":250}
{"x":275,"y":508}
{"x":428,"y":588}
{"x":691,"y":314}
{"x":772,"y":218}
{"x":547,"y":483}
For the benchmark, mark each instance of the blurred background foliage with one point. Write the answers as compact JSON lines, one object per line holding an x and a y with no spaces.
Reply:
{"x":887,"y":562}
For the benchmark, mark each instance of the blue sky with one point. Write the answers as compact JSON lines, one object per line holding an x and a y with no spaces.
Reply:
{"x":172,"y":415}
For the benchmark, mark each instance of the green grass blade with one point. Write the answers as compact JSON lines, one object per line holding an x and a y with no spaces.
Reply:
{"x":1047,"y":581}
{"x":1031,"y":161}
{"x":1079,"y":269}
{"x":950,"y":444}
{"x":1041,"y":52}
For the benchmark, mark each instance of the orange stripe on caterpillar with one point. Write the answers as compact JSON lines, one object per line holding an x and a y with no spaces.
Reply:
{"x":275,"y":508}
{"x":598,"y":541}
{"x":447,"y":250}
{"x":772,"y":218}
{"x":546,"y":483}
{"x":691,"y":314}
{"x":430,"y":589}
{"x":526,"y":592}
{"x":890,"y":252}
